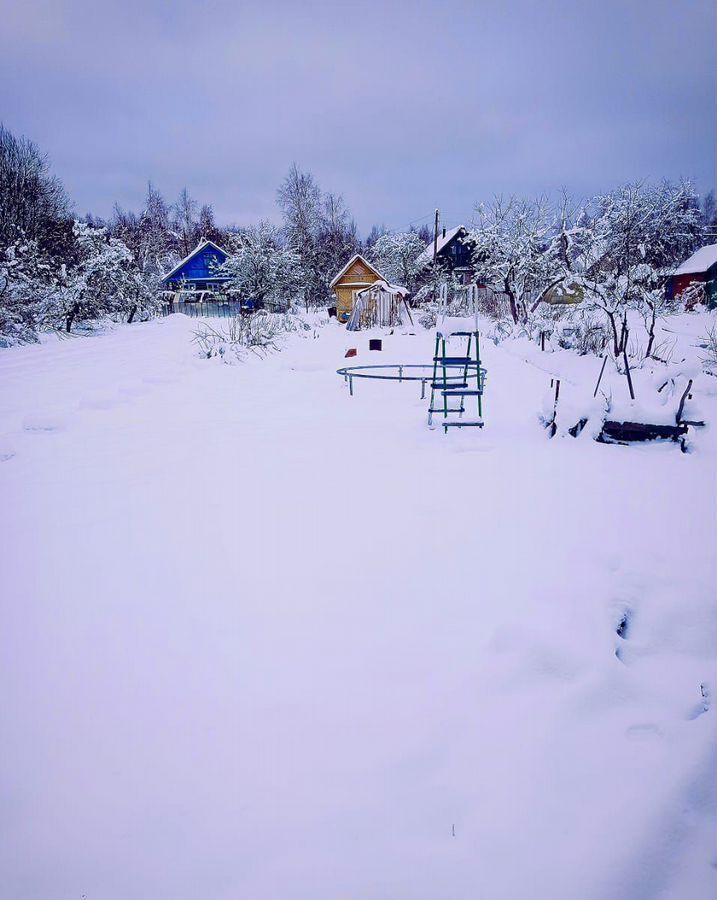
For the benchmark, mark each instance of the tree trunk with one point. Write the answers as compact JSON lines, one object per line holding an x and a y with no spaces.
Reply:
{"x":513,"y":305}
{"x":651,"y":329}
{"x":71,"y":316}
{"x":132,"y":313}
{"x":615,"y":338}
{"x":624,"y":334}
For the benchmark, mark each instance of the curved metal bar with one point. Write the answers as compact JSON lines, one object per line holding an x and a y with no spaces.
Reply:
{"x":360,"y":372}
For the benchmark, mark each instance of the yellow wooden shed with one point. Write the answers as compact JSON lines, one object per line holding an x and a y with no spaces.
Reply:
{"x":357,"y":274}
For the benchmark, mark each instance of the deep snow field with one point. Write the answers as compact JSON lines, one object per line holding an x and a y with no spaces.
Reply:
{"x":262,"y":640}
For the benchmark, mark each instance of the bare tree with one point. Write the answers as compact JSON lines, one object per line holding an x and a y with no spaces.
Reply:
{"x":33,"y":203}
{"x":185,"y":221}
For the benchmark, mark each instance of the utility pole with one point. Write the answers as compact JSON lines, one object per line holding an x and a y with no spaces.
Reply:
{"x":435,"y":239}
{"x":435,"y":255}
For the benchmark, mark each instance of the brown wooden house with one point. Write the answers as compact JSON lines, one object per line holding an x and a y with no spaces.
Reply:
{"x":357,"y":274}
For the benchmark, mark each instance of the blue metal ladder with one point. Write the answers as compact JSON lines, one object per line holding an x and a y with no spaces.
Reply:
{"x":446,"y":389}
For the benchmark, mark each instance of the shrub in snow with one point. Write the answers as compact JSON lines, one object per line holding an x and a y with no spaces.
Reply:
{"x":229,"y":339}
{"x":576,"y":328}
{"x":709,"y":345}
{"x":428,"y":317}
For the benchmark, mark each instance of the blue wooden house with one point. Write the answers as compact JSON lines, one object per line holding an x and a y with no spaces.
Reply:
{"x":198,"y":271}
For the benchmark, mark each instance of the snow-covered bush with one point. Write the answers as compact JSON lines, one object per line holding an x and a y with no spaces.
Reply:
{"x":229,"y":339}
{"x":493,"y":304}
{"x":569,"y":327}
{"x":428,"y":316}
{"x":709,"y":346}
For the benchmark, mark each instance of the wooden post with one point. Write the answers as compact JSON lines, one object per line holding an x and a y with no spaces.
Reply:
{"x":627,"y":372}
{"x":681,"y":407}
{"x":553,"y":426}
{"x":600,"y":376}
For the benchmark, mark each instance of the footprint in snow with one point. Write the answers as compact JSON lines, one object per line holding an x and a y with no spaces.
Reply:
{"x":43,"y":424}
{"x":622,"y":618}
{"x":6,"y":453}
{"x":643,"y":731}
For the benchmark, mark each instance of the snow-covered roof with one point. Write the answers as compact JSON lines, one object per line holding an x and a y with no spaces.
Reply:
{"x":444,"y":239}
{"x":386,"y":287}
{"x":200,"y":246}
{"x":699,"y":262}
{"x":354,"y":258}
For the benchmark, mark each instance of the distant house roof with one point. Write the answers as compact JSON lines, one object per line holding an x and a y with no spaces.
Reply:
{"x":700,"y":261}
{"x":202,"y":245}
{"x":444,"y":239}
{"x":355,"y":258}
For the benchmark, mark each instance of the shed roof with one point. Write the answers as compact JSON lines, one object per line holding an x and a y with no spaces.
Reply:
{"x":354,"y":258}
{"x":200,"y":246}
{"x":386,"y":287}
{"x":700,"y":261}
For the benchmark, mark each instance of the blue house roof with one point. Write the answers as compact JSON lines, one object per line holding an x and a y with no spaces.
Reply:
{"x":200,"y":266}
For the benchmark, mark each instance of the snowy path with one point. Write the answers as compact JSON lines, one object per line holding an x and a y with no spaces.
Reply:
{"x":264,"y":640}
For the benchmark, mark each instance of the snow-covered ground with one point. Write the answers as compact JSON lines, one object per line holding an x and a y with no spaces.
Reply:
{"x":264,"y":640}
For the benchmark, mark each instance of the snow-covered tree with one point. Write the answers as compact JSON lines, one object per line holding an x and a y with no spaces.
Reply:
{"x":622,"y":247}
{"x":185,"y":222}
{"x":27,"y":286}
{"x":511,"y":244}
{"x":261,"y":269}
{"x":395,"y":257}
{"x":319,"y":228}
{"x":104,"y":280}
{"x":148,"y":235}
{"x":709,"y":214}
{"x":300,"y":201}
{"x":207,"y":227}
{"x":338,"y":239}
{"x":376,"y":232}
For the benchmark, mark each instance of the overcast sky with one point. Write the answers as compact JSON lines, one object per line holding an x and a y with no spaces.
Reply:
{"x":399,"y":106}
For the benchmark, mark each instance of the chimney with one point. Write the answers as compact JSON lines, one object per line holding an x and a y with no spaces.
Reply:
{"x":444,"y":231}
